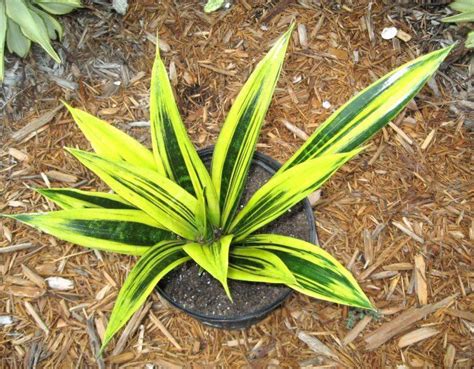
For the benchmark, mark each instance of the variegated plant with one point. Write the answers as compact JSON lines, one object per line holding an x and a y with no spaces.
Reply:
{"x":167,"y":209}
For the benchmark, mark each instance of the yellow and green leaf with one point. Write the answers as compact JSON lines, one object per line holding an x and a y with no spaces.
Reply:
{"x":369,"y":111}
{"x":213,"y":257}
{"x":113,"y":144}
{"x":257,"y":265}
{"x":236,"y":143}
{"x":156,"y":195}
{"x":123,"y":231}
{"x":317,"y":273}
{"x":150,"y":268}
{"x":70,"y":198}
{"x":172,"y":146}
{"x":284,"y":191}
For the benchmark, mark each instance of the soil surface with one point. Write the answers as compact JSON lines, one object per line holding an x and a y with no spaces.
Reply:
{"x":202,"y":294}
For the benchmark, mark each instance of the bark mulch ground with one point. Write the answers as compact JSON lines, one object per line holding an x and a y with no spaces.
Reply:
{"x":399,"y":216}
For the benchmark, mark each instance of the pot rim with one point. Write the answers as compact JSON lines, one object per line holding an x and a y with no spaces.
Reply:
{"x":270,"y":165}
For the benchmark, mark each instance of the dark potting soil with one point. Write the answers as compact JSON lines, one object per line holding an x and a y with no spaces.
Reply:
{"x":200,"y":293}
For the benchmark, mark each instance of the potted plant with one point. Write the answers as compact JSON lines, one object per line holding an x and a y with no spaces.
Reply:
{"x":169,"y":209}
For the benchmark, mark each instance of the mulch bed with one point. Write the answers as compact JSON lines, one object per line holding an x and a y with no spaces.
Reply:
{"x":399,"y":216}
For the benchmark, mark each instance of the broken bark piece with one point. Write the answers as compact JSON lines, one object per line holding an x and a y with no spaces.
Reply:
{"x":36,"y":124}
{"x":416,"y":336}
{"x":403,"y":322}
{"x":24,"y":291}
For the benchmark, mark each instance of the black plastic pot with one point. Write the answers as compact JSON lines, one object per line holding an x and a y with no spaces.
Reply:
{"x":243,"y":321}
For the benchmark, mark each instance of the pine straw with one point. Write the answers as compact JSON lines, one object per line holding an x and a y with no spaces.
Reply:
{"x":399,"y":215}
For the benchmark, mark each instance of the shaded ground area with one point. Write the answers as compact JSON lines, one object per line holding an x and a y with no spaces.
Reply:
{"x":399,"y":215}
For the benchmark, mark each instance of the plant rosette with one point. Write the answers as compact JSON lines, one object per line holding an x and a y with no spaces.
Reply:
{"x":168,"y":209}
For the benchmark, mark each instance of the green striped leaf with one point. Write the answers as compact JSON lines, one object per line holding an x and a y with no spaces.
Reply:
{"x":257,"y":265}
{"x":214,"y":258}
{"x":317,"y":273}
{"x":156,"y":195}
{"x":283,"y":191}
{"x":124,"y":231}
{"x":172,"y":145}
{"x":70,"y":198}
{"x":113,"y":144}
{"x":236,"y":143}
{"x":3,"y":37}
{"x":31,"y":25}
{"x":370,"y":110}
{"x":150,"y":268}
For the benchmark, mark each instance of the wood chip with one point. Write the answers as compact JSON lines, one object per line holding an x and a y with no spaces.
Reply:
{"x":416,"y":336}
{"x":314,"y":197}
{"x":297,"y":131}
{"x":31,"y":310}
{"x":316,"y":345}
{"x":36,"y":124}
{"x":6,"y":320}
{"x":449,"y":357}
{"x":408,"y":232}
{"x":403,"y":322}
{"x":17,"y":154}
{"x":24,"y":291}
{"x":59,"y":283}
{"x":401,"y":133}
{"x":402,"y":35}
{"x":303,"y":36}
{"x":358,"y":328}
{"x":163,"y":329}
{"x":428,"y":139}
{"x":61,"y":177}
{"x":33,"y":276}
{"x":420,"y":280}
{"x":94,"y":342}
{"x":122,"y":358}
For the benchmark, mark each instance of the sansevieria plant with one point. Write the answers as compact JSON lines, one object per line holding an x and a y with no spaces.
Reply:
{"x":26,"y":21}
{"x":167,"y":208}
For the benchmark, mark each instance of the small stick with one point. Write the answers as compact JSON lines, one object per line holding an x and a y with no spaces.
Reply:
{"x":19,"y":247}
{"x":163,"y":329}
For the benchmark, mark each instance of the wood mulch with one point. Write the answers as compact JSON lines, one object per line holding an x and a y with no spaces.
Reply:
{"x":399,"y":216}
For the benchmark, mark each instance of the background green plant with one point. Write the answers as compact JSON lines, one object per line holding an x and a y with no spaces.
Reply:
{"x":25,"y":21}
{"x":466,"y":9}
